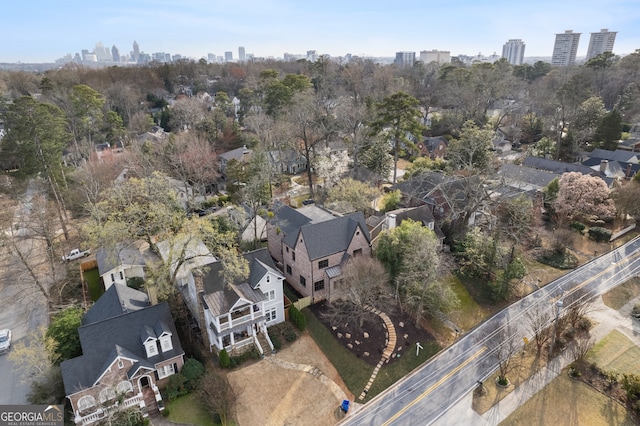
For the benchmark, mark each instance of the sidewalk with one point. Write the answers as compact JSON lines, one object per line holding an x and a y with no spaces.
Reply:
{"x":607,"y":320}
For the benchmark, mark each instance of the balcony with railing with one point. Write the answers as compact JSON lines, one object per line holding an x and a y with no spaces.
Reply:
{"x":102,"y":412}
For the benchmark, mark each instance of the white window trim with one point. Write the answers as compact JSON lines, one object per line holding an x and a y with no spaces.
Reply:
{"x":166,"y":344}
{"x":86,"y":402}
{"x":125,"y":387}
{"x":166,"y":371}
{"x":106,"y":394}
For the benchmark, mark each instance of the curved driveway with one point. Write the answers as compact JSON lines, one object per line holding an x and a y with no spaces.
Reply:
{"x":427,"y":393}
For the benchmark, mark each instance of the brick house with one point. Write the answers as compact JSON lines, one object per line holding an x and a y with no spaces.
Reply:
{"x":312,"y":245}
{"x":129,"y":349}
{"x":433,"y":147}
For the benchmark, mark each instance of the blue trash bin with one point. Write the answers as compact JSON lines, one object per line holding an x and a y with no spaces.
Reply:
{"x":345,"y":405}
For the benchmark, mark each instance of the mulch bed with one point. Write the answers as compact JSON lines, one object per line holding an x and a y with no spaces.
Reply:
{"x":368,"y":342}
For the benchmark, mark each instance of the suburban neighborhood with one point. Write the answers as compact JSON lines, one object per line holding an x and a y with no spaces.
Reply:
{"x":314,"y":242}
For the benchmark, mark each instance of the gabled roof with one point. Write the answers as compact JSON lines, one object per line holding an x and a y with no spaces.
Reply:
{"x":109,"y":259}
{"x":561,"y":167}
{"x":117,"y":300}
{"x":241,"y":154}
{"x":612,"y":168}
{"x":526,"y":178}
{"x":421,"y":185}
{"x":103,"y":341}
{"x":194,"y":252}
{"x":620,"y":155}
{"x":220,"y":298}
{"x":332,"y":236}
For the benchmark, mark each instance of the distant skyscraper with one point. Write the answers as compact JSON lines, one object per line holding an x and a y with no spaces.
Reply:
{"x":312,"y":55}
{"x":241,"y":55}
{"x":405,"y":59}
{"x":115,"y":54}
{"x":438,"y":56}
{"x":228,"y":56}
{"x":136,"y":52}
{"x":102,"y":53}
{"x":601,"y":42}
{"x":211,"y":57}
{"x":513,"y":51}
{"x":565,"y":48}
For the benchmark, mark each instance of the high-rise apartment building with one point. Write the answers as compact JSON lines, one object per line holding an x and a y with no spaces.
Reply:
{"x":228,"y":56}
{"x":241,"y":55}
{"x":405,"y":59}
{"x":513,"y":51}
{"x":601,"y":42}
{"x":115,"y":54}
{"x":136,"y":52}
{"x":438,"y":56}
{"x":565,"y":48}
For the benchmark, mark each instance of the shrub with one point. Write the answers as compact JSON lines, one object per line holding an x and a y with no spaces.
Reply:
{"x":277,"y":343}
{"x":135,"y":282}
{"x":238,"y":360}
{"x":578,"y":226}
{"x":176,"y":387}
{"x":584,"y":324}
{"x":192,"y":371}
{"x":165,"y":412}
{"x":600,"y":234}
{"x":291,"y":336}
{"x":297,"y":318}
{"x":225,"y":361}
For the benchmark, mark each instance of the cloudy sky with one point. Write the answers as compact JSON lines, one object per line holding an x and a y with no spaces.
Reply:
{"x":44,"y":30}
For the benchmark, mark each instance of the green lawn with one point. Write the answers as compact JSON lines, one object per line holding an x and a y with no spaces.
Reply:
{"x":616,"y":353}
{"x":94,"y":283}
{"x":469,"y":313}
{"x":188,"y":410}
{"x":354,"y":372}
{"x":619,"y":296}
{"x":565,"y":401}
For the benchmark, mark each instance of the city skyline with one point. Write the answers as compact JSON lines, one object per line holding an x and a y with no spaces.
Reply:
{"x":194,"y":28}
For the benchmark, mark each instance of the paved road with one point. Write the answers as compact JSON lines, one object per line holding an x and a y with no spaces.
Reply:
{"x":425,"y":395}
{"x":22,"y":309}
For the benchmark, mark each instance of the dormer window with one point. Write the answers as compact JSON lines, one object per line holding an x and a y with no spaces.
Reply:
{"x":165,"y":343}
{"x":151,"y":348}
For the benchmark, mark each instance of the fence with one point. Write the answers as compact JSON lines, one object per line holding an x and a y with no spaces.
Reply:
{"x":622,"y":232}
{"x":302,"y":303}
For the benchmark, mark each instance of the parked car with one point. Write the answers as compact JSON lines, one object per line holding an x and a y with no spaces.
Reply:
{"x":76,"y":254}
{"x":5,"y":340}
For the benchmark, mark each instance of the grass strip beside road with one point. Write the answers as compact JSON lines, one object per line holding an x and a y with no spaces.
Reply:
{"x":616,"y":353}
{"x":619,"y":296}
{"x":565,"y":401}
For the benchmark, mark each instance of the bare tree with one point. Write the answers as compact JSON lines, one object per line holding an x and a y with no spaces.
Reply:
{"x":219,"y":397}
{"x":365,"y":286}
{"x":539,"y":324}
{"x":34,"y":356}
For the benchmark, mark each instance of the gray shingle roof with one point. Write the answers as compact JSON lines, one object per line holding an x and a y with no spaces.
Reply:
{"x":524,"y":176}
{"x":108,"y":259}
{"x":117,"y":300}
{"x":103,"y":341}
{"x":220,"y":298}
{"x":561,"y":167}
{"x":333,"y":236}
{"x":620,"y":155}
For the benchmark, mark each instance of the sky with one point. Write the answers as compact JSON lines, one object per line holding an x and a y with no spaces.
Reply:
{"x":45,"y":30}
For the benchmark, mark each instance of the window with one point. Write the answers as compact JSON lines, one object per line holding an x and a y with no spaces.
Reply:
{"x":125,"y":387}
{"x":293,"y":255}
{"x":151,"y":348}
{"x":165,"y":371}
{"x":289,"y":269}
{"x":271,"y":315}
{"x":271,"y":295}
{"x":303,"y":281}
{"x":287,"y":248}
{"x":121,"y":275}
{"x":165,"y":343}
{"x":86,"y":402}
{"x":318,"y":285}
{"x":323,"y":264}
{"x":357,"y":252}
{"x":268,"y":278}
{"x":120,"y":364}
{"x":106,"y":394}
{"x":113,"y":278}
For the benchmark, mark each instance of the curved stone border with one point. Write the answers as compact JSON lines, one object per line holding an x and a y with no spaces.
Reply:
{"x":388,"y":350}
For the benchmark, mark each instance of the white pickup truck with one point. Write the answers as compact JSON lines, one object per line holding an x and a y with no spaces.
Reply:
{"x":76,"y":254}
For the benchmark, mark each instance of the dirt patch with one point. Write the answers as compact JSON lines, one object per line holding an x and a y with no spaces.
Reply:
{"x":368,"y":342}
{"x":274,"y":394}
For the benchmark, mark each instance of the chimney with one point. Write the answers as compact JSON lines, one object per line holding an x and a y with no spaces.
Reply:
{"x":391,"y":221}
{"x":603,"y":166}
{"x":628,"y":172}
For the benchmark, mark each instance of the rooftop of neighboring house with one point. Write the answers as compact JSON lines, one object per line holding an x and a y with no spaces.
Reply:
{"x":620,"y":155}
{"x":242,"y":154}
{"x":121,"y":336}
{"x":526,"y":177}
{"x":192,"y":252}
{"x":324,"y":233}
{"x":110,"y":258}
{"x":562,"y":167}
{"x":220,"y":298}
{"x":116,"y":300}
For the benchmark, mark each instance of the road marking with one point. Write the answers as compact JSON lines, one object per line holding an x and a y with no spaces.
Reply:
{"x":598,"y":275}
{"x":435,"y":385}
